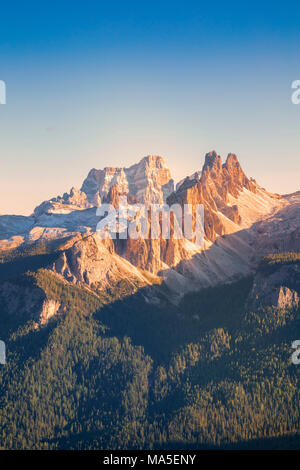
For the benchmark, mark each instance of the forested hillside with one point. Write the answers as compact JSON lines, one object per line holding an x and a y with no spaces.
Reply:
{"x":110,"y":372}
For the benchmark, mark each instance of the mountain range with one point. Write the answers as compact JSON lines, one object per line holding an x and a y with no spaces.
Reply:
{"x":152,"y":342}
{"x":243,"y":221}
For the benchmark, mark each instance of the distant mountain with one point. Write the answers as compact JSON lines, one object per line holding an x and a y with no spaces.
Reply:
{"x":148,"y":181}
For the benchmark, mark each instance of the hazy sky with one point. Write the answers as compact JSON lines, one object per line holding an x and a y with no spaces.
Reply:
{"x":94,"y":84}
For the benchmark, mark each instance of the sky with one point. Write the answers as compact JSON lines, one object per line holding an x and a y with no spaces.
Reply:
{"x":103,"y":83}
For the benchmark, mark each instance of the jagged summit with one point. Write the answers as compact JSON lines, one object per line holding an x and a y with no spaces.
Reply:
{"x":229,"y":173}
{"x":231,"y":159}
{"x":213,"y":161}
{"x":148,"y":181}
{"x":231,"y":200}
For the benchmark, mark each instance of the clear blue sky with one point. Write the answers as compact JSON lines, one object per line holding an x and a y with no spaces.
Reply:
{"x":94,"y":84}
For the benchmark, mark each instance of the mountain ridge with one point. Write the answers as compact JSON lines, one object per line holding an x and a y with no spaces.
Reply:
{"x":237,"y":215}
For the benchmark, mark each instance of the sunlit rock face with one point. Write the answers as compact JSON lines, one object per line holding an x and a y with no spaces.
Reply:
{"x":148,"y":181}
{"x":220,"y":188}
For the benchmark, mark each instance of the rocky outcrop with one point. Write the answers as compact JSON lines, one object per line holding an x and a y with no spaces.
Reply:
{"x":50,"y":308}
{"x":93,"y":262}
{"x":285,"y":298}
{"x":157,"y":255}
{"x":279,"y":289}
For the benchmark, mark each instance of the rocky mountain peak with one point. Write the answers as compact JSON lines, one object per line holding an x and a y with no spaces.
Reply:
{"x":148,"y":181}
{"x":231,"y":160}
{"x":219,"y":189}
{"x":153,"y":161}
{"x":213,"y":162}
